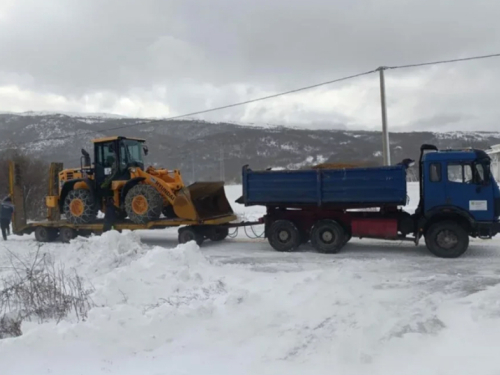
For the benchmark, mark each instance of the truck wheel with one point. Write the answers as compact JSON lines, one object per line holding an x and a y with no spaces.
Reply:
{"x":188,"y":234}
{"x":79,"y":207}
{"x":66,"y":234}
{"x":328,"y":236}
{"x":447,"y":239}
{"x":143,"y":203}
{"x":284,"y":236}
{"x":44,"y":234}
{"x":218,"y":234}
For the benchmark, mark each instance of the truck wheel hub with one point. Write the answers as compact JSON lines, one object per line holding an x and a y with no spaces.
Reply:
{"x":327,"y":236}
{"x":283,"y":235}
{"x":140,"y":205}
{"x":447,"y":239}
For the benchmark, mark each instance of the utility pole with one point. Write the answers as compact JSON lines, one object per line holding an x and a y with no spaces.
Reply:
{"x":385,"y":134}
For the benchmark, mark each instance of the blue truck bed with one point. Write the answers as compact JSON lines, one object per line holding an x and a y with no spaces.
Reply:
{"x":346,"y":188}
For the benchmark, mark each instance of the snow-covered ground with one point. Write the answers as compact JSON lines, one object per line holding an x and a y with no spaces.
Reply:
{"x":238,"y":307}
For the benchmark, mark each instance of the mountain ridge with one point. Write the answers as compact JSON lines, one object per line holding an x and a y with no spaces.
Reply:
{"x":205,"y":150}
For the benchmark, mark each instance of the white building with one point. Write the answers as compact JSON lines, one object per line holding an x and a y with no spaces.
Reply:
{"x":494,"y":153}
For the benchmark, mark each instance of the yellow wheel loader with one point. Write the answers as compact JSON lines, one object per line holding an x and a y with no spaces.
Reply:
{"x":118,"y":173}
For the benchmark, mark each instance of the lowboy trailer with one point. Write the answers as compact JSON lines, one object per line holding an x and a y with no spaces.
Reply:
{"x":214,"y":228}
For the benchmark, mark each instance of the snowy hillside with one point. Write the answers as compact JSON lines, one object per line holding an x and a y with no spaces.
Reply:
{"x":238,"y":307}
{"x":197,"y":148}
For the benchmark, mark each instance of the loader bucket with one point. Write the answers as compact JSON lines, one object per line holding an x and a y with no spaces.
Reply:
{"x":202,"y":200}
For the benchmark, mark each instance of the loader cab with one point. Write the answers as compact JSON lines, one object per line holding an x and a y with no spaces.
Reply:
{"x":458,"y":181}
{"x":115,"y":155}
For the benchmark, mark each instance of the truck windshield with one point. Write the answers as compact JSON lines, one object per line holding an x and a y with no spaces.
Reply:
{"x":483,"y":172}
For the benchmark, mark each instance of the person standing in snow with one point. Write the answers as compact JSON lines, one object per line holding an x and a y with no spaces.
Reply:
{"x":6,"y":211}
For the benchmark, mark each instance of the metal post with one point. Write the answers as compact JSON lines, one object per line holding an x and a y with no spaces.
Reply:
{"x":385,"y":134}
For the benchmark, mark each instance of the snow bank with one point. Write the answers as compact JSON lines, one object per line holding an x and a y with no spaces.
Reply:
{"x":182,"y":310}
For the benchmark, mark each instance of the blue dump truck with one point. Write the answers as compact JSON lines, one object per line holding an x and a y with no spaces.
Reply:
{"x":459,"y":199}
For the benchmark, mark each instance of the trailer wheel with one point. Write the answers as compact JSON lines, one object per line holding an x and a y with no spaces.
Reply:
{"x":143,"y":203}
{"x":218,"y":234}
{"x":188,"y":234}
{"x":447,"y":239}
{"x":284,"y":236}
{"x":66,"y":234}
{"x":328,"y":236}
{"x":79,"y":207}
{"x":44,"y":234}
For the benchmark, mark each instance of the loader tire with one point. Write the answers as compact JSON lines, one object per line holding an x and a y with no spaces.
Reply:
{"x":79,"y":207}
{"x":143,"y":203}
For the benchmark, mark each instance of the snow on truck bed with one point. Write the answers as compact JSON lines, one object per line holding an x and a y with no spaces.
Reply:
{"x":238,"y":307}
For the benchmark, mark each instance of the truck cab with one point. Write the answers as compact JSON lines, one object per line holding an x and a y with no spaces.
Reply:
{"x":458,"y":184}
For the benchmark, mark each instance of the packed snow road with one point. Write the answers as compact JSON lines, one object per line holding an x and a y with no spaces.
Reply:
{"x":238,"y":307}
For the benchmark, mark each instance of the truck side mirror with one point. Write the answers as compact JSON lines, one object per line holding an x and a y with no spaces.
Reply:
{"x":146,"y":150}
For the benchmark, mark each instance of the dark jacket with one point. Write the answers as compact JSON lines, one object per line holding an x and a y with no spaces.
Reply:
{"x":6,"y":210}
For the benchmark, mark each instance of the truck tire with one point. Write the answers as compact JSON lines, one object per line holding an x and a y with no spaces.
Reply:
{"x":447,"y":239}
{"x":283,"y":235}
{"x":143,"y":203}
{"x":218,"y":234}
{"x":44,"y":234}
{"x":79,"y":207}
{"x":328,"y":236}
{"x":187,"y":234}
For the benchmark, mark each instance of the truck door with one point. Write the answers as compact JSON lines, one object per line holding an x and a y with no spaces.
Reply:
{"x":467,"y":190}
{"x":434,"y":185}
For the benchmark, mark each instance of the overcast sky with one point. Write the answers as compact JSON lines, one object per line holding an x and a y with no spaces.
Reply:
{"x":159,"y":58}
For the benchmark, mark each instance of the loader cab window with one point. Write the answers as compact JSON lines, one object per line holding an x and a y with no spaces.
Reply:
{"x":131,"y":153}
{"x":108,"y":154}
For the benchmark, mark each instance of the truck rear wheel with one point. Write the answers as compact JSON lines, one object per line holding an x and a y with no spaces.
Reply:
{"x":328,"y":236}
{"x":283,"y":235}
{"x":79,"y":207}
{"x":447,"y":239}
{"x":143,"y":203}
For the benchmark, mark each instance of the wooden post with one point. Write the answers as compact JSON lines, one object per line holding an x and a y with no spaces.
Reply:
{"x":19,"y":221}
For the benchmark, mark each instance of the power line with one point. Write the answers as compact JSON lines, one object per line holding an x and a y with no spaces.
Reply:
{"x":442,"y":61}
{"x":157,"y":122}
{"x":149,"y":122}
